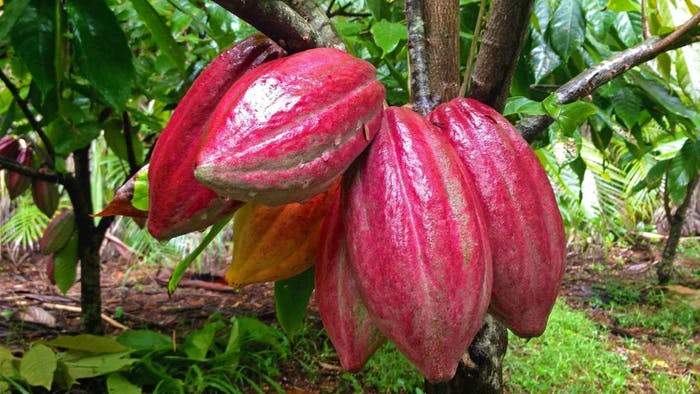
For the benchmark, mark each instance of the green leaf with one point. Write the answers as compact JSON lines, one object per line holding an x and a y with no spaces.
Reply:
{"x":568,"y":116}
{"x":88,"y":343}
{"x":542,"y":15}
{"x":145,"y":340}
{"x":11,"y":12}
{"x":688,"y":71}
{"x":140,"y":198}
{"x":543,"y":59}
{"x":80,"y":367}
{"x":7,"y":366}
{"x":33,"y":39}
{"x":624,"y":5}
{"x":66,"y":264}
{"x":118,"y":384}
{"x":626,"y":31}
{"x":114,"y":136}
{"x":254,"y":331}
{"x":658,"y":93}
{"x":67,"y":138}
{"x":627,"y":107}
{"x":523,"y":106}
{"x":567,"y":28}
{"x":38,"y":365}
{"x":161,"y":34}
{"x":291,"y":298}
{"x":181,"y":267}
{"x":104,"y":56}
{"x":198,"y":342}
{"x":387,"y":35}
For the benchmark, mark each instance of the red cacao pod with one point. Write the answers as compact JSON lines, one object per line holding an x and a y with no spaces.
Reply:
{"x":344,"y":315}
{"x":16,"y":182}
{"x":417,"y":242}
{"x":45,"y":195}
{"x":9,"y":146}
{"x":524,"y":224}
{"x":57,"y":232}
{"x":274,"y":243}
{"x":178,"y":204}
{"x":287,"y":129}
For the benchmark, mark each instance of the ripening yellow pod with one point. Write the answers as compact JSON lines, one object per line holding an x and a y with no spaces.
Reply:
{"x":274,"y":243}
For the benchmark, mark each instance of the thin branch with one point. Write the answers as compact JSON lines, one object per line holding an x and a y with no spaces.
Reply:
{"x":130,"y":154}
{"x":501,"y":43}
{"x":667,"y":193}
{"x":421,"y":96}
{"x":278,"y":21}
{"x":646,"y":33}
{"x":12,"y":165}
{"x":30,"y":117}
{"x":590,"y":79}
{"x":472,"y":49}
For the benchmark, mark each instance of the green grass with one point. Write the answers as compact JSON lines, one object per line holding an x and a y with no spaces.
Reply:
{"x":571,"y":356}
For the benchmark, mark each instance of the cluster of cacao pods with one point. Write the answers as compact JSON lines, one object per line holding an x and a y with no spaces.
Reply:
{"x":437,"y":220}
{"x":45,"y":194}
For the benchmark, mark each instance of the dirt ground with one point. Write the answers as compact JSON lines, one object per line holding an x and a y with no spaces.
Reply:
{"x":135,"y":296}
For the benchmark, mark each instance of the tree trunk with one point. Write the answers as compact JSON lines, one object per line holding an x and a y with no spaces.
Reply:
{"x":89,"y":241}
{"x":664,"y":270}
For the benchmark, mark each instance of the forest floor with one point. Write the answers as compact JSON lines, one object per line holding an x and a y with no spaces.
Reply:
{"x":135,"y":296}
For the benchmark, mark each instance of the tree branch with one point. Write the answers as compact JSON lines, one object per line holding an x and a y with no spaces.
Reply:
{"x":12,"y":165}
{"x":499,"y":51}
{"x":421,"y":94}
{"x":30,"y":117}
{"x":319,"y":21}
{"x":442,"y":48}
{"x":277,"y":20}
{"x":590,"y":79}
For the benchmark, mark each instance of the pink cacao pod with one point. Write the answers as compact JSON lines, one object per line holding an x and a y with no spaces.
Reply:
{"x":524,"y":224}
{"x":344,"y":316}
{"x":45,"y":195}
{"x":287,"y":129}
{"x":16,"y":182}
{"x":9,"y":146}
{"x":178,"y":204}
{"x":417,"y":242}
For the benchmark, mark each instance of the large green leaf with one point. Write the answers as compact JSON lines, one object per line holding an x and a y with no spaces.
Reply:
{"x":33,"y":39}
{"x":11,"y":11}
{"x":145,"y":340}
{"x":161,"y":34}
{"x":67,"y":138}
{"x":626,"y":30}
{"x":291,"y":298}
{"x":567,"y":28}
{"x":118,"y":384}
{"x":104,"y":56}
{"x":79,"y":367}
{"x":543,"y":59}
{"x":387,"y":35}
{"x":37,"y":366}
{"x":88,"y":343}
{"x":657,"y":92}
{"x":627,"y":107}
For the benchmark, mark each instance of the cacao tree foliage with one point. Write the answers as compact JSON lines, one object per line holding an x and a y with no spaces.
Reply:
{"x":85,"y":80}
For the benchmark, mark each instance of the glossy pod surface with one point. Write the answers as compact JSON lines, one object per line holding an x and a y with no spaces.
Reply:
{"x":178,"y":204}
{"x":524,"y":224}
{"x":286,"y":130}
{"x":418,"y":244}
{"x":344,"y":315}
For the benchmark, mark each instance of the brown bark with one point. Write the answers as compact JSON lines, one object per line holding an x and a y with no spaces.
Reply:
{"x":442,"y":48}
{"x":279,"y":21}
{"x":499,"y":51}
